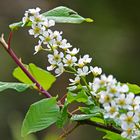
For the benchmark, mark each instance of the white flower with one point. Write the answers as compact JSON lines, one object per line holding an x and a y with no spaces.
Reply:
{"x":51,"y":67}
{"x":111,"y":80}
{"x":127,"y":131}
{"x":48,"y":23}
{"x":130,"y":97}
{"x":128,"y":119}
{"x":93,"y":88}
{"x":122,"y":88}
{"x":59,"y":70}
{"x":133,"y":101}
{"x":55,"y":58}
{"x":137,"y":113}
{"x":100,"y":81}
{"x":38,"y":47}
{"x":121,"y":101}
{"x":105,"y":98}
{"x":111,"y":110}
{"x":36,"y":18}
{"x":81,"y":63}
{"x":73,"y":52}
{"x":75,"y":81}
{"x":57,"y":35}
{"x":72,"y":88}
{"x":56,"y":40}
{"x":64,"y":45}
{"x":25,"y":19}
{"x":47,"y":37}
{"x":36,"y":30}
{"x":83,"y":71}
{"x":96,"y":81}
{"x":113,"y":89}
{"x":52,"y":45}
{"x":107,"y":80}
{"x":34,"y":11}
{"x":136,"y":134}
{"x":69,"y":60}
{"x":86,"y":59}
{"x":96,"y":70}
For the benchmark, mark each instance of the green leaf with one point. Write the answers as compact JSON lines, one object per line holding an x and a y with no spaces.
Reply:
{"x":40,"y":115}
{"x":82,"y":117}
{"x":15,"y":26}
{"x":97,"y":119}
{"x":91,"y":110}
{"x":90,"y":101}
{"x":111,"y":135}
{"x":85,"y":110}
{"x":79,"y":97}
{"x":16,"y":86}
{"x":45,"y":78}
{"x":134,"y":88}
{"x":94,"y":111}
{"x":60,"y":14}
{"x":65,"y":15}
{"x":63,"y":117}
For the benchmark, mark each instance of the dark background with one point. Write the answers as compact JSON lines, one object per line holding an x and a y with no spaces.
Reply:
{"x":113,"y":40}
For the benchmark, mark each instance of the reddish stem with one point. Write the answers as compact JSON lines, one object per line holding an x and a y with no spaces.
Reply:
{"x":9,"y":39}
{"x":63,"y":98}
{"x":15,"y":58}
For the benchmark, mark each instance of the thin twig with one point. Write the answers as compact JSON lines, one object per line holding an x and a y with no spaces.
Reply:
{"x":9,"y":39}
{"x":17,"y":61}
{"x":63,"y":98}
{"x":3,"y":42}
{"x":65,"y":134}
{"x":110,"y":128}
{"x":96,"y":124}
{"x":74,"y":111}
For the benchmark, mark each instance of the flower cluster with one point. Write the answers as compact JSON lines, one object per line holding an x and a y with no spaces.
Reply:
{"x":61,"y":57}
{"x":60,"y":54}
{"x":116,"y":100}
{"x":119,"y":104}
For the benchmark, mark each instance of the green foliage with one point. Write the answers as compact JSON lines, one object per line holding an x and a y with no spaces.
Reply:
{"x":111,"y":135}
{"x":82,"y":117}
{"x":60,"y":14}
{"x":16,"y":86}
{"x":45,"y":78}
{"x":79,"y":97}
{"x":91,"y":110}
{"x":97,"y":120}
{"x":63,"y":117}
{"x":65,"y":15}
{"x":40,"y":115}
{"x":85,"y":110}
{"x":134,"y":88}
{"x":95,"y":111}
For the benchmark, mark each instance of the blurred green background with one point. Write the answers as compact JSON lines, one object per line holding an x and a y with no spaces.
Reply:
{"x":112,"y":40}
